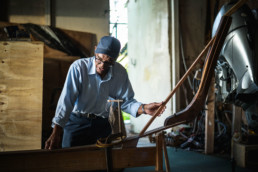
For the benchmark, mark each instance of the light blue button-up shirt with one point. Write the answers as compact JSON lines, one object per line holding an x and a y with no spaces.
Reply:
{"x":85,"y":92}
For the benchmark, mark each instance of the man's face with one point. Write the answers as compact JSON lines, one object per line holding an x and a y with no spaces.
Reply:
{"x":103,"y":63}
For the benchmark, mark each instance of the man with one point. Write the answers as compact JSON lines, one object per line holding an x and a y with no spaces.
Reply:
{"x":81,"y":113}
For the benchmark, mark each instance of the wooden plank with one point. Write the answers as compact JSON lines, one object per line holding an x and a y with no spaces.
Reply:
{"x":75,"y":159}
{"x":175,"y":53}
{"x":159,"y":154}
{"x":209,"y":120}
{"x":237,"y":119}
{"x":164,"y":147}
{"x":21,"y":75}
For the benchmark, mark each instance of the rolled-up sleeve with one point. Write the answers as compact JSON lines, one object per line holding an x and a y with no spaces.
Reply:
{"x":68,"y":96}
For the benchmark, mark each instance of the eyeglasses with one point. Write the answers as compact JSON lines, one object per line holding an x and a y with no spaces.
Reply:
{"x":106,"y":63}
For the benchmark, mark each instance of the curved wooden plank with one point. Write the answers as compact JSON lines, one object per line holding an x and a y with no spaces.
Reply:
{"x":192,"y":110}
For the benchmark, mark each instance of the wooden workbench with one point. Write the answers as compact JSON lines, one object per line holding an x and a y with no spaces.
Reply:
{"x":83,"y":158}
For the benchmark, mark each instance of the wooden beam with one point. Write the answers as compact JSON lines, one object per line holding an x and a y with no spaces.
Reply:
{"x":237,"y":119}
{"x":159,"y":154}
{"x":175,"y":53}
{"x":209,"y":119}
{"x":165,"y":154}
{"x":83,"y":158}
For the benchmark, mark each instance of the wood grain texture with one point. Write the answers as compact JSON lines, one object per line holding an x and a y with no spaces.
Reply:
{"x":210,"y":119}
{"x":159,"y":154}
{"x":192,"y":110}
{"x":21,"y":89}
{"x":82,"y":158}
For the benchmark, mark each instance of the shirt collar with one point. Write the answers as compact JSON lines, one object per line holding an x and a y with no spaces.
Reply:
{"x":92,"y":66}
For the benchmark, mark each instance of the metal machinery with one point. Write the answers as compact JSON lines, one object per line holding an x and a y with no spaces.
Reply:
{"x":236,"y":73}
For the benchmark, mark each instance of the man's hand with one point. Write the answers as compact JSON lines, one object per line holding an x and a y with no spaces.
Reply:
{"x":151,"y":108}
{"x":54,"y":141}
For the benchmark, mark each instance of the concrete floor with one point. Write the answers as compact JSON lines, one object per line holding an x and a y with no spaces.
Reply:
{"x":189,"y":161}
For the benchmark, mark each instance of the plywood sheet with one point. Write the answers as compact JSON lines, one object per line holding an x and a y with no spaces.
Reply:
{"x":21,"y":89}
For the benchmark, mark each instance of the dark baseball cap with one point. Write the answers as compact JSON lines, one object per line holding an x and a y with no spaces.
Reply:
{"x":109,"y":45}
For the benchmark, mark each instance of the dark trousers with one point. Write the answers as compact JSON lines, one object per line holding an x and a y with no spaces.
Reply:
{"x":81,"y":131}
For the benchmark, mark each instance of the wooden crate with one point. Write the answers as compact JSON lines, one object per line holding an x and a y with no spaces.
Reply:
{"x":21,"y":91}
{"x":245,"y":155}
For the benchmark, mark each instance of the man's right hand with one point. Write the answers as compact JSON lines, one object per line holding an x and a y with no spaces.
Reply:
{"x":54,"y":141}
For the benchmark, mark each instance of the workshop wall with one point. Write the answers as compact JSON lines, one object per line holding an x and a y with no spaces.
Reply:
{"x":80,"y":15}
{"x":149,"y":64}
{"x":27,"y":11}
{"x":150,"y":57}
{"x":83,"y":15}
{"x":192,"y":24}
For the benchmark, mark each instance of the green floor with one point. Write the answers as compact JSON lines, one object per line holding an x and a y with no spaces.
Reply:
{"x":189,"y":161}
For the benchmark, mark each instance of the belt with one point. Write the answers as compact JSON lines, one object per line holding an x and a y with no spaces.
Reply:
{"x":88,"y":115}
